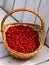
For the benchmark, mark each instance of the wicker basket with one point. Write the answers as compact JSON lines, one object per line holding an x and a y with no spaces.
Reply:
{"x":39,"y":28}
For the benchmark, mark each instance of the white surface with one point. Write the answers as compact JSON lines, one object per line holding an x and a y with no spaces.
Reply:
{"x":8,"y":5}
{"x":45,"y":63}
{"x":19,"y":4}
{"x":42,"y":56}
{"x":8,"y":20}
{"x":3,"y":51}
{"x":44,"y":11}
{"x":0,"y":37}
{"x":31,"y":4}
{"x":1,"y":2}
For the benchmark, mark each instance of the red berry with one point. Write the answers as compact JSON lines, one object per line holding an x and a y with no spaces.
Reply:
{"x":22,"y":39}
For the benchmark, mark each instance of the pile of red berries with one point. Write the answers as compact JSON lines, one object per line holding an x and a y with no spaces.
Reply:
{"x":22,"y":39}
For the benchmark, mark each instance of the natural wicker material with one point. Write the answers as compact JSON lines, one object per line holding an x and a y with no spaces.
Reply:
{"x":40,"y":30}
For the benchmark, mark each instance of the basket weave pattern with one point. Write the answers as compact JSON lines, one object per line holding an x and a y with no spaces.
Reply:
{"x":39,"y":28}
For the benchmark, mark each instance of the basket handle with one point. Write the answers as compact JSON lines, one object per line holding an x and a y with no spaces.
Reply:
{"x":23,"y":9}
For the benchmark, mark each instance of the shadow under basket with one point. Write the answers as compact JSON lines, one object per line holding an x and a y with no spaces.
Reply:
{"x":38,"y":28}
